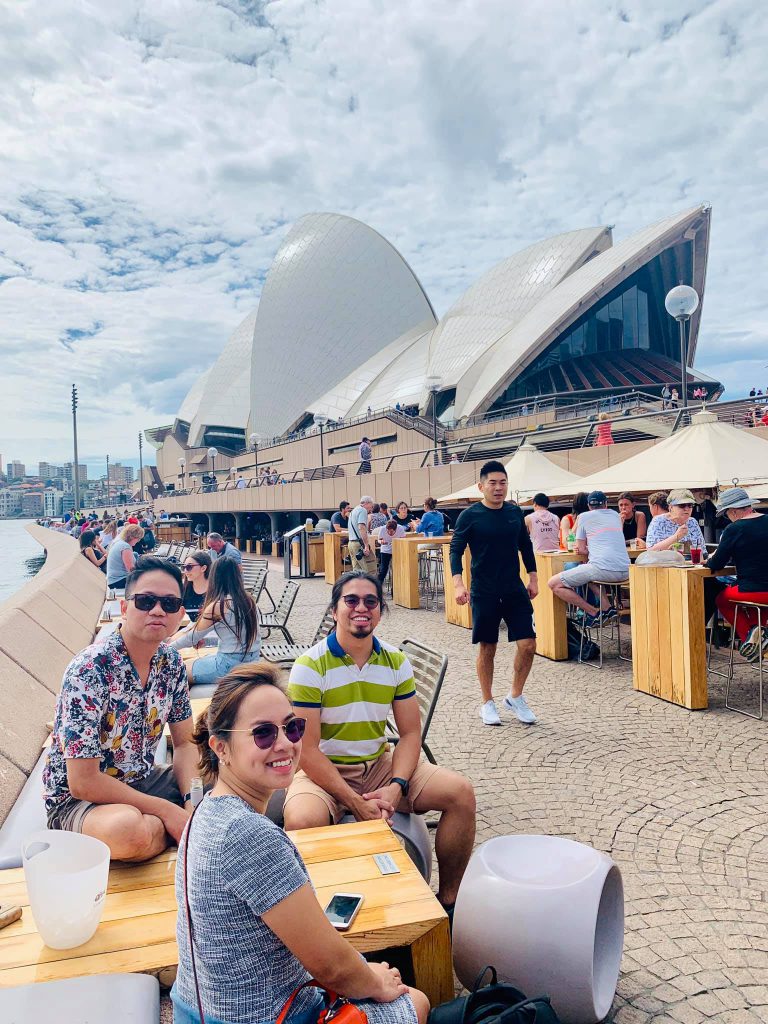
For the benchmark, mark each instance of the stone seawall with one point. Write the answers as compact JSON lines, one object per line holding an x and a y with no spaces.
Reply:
{"x":41,"y":627}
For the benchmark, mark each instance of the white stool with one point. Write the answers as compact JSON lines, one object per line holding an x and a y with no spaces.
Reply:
{"x":548,"y":914}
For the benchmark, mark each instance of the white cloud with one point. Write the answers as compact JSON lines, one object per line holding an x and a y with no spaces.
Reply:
{"x":156,"y":151}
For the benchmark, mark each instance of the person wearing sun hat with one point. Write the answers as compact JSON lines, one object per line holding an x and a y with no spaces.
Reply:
{"x":676,"y":525}
{"x":744,"y":543}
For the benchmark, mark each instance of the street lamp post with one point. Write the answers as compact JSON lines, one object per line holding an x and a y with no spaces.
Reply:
{"x":212,"y":453}
{"x":254,"y":439}
{"x":433,"y":385}
{"x":74,"y":436}
{"x":320,"y":420}
{"x":681,"y":303}
{"x":182,"y":467}
{"x":107,"y":479}
{"x":141,"y":469}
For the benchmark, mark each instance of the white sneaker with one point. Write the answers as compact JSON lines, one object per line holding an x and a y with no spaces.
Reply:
{"x":519,"y":707}
{"x":489,"y":714}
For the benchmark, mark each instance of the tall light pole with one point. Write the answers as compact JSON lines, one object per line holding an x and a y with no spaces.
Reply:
{"x":254,"y":439}
{"x":434,"y":384}
{"x":681,"y":303}
{"x":141,"y":469}
{"x":107,"y":479}
{"x":212,"y":453}
{"x":74,"y":436}
{"x":320,"y":420}
{"x":182,"y":467}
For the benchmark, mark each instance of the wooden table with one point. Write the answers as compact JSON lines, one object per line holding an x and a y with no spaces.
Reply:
{"x":669,"y":647}
{"x":137,"y":933}
{"x":333,"y":543}
{"x":405,"y":567}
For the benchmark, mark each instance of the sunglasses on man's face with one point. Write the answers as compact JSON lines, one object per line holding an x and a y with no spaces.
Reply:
{"x":264,"y":735}
{"x":146,"y":602}
{"x":353,"y":600}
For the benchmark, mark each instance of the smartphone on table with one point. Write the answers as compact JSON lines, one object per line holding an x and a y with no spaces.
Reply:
{"x":343,"y":909}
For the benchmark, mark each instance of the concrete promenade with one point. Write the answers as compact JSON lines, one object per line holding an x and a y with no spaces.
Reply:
{"x":679,"y":799}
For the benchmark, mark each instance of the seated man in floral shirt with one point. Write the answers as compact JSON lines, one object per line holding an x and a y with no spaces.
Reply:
{"x":116,"y":697}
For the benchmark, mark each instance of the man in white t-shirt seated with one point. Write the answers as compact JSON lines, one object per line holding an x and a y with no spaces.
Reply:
{"x":384,"y":536}
{"x":600,"y":536}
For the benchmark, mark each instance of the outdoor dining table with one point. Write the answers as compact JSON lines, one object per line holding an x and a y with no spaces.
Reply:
{"x":405,"y":567}
{"x":669,"y":645}
{"x":137,"y":933}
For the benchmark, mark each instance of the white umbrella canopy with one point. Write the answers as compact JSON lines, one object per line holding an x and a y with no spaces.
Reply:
{"x":705,"y":454}
{"x":529,"y":471}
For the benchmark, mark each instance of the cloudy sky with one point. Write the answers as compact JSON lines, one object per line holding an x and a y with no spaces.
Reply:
{"x":155,"y":153}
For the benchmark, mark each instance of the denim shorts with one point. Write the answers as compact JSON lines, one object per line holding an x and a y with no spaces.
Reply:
{"x":206,"y":671}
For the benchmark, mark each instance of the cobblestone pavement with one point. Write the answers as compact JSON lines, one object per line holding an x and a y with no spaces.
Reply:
{"x":679,"y":799}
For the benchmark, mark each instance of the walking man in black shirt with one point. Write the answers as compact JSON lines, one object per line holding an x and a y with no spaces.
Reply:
{"x":495,"y":531}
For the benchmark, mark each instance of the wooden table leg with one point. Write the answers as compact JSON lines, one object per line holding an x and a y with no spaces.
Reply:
{"x":432,"y":964}
{"x":405,"y":573}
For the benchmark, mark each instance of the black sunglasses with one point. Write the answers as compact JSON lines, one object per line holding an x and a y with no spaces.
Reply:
{"x":146,"y":602}
{"x":353,"y":600}
{"x":190,"y":566}
{"x":264,"y":735}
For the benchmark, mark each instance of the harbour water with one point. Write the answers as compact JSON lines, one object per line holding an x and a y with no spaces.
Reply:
{"x":20,"y":556}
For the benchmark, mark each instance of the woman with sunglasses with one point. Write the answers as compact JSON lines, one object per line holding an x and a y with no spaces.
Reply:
{"x":196,"y":569}
{"x":230,"y":612}
{"x":675,"y":526}
{"x":258,"y":931}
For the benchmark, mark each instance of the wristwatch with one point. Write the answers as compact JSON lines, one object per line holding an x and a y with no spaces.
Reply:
{"x":402,"y":783}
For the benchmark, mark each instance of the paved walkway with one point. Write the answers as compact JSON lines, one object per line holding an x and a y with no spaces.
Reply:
{"x":679,"y":799}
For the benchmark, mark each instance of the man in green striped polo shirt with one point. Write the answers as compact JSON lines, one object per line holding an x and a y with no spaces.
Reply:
{"x":346,"y":686}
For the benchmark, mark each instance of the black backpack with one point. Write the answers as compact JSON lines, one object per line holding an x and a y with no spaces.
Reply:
{"x":496,"y":1003}
{"x":589,"y":649}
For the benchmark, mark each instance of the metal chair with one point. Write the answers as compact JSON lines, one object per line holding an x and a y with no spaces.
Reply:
{"x":278,"y":619}
{"x":429,"y":668}
{"x":760,"y":609}
{"x":255,"y":577}
{"x":613,"y":592}
{"x":290,"y":652}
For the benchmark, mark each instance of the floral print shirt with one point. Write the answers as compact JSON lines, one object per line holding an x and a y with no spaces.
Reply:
{"x":103,"y":711}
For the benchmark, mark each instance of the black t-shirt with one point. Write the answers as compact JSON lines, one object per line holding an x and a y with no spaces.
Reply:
{"x":406,"y":520}
{"x":496,"y":539}
{"x":745,"y":545}
{"x":338,"y":519}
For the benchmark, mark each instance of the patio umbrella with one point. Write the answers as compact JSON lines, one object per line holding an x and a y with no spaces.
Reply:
{"x":529,"y":472}
{"x":707,"y":453}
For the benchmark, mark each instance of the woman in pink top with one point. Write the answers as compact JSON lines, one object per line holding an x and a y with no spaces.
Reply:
{"x":604,"y":433}
{"x":543,"y":525}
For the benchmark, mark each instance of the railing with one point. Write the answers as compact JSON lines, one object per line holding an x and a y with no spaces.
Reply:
{"x":556,"y":436}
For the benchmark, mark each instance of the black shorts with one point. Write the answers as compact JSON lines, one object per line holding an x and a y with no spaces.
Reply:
{"x":488,"y":610}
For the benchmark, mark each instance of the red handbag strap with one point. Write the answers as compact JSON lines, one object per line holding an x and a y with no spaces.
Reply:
{"x":189,"y":916}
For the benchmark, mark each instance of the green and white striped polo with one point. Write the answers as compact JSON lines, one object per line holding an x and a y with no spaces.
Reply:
{"x":354,"y":702}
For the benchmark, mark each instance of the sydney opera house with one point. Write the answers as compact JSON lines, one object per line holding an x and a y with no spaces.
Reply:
{"x":343,"y":325}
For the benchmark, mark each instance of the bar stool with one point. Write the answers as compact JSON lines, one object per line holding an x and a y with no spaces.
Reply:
{"x":760,"y":608}
{"x":613,"y":592}
{"x":430,"y":573}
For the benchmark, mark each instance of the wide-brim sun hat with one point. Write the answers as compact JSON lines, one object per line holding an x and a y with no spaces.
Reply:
{"x":734,"y":497}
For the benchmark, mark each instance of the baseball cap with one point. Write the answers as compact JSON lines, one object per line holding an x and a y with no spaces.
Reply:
{"x":596,"y":498}
{"x":680,"y":497}
{"x":734,"y":497}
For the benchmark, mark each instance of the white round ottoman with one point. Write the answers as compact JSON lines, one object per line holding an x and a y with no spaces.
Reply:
{"x":548,"y":914}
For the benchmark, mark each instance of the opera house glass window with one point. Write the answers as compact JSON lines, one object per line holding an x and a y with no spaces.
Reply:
{"x":630,"y":320}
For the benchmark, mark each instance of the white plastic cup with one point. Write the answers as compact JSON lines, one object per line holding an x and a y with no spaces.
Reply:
{"x":66,"y":875}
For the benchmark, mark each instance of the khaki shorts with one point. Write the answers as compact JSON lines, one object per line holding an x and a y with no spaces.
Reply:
{"x":364,"y":778}
{"x":367,"y":563}
{"x":69,"y":815}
